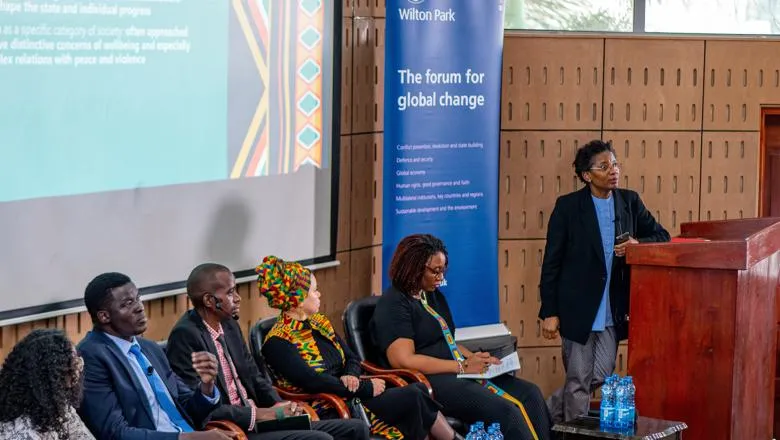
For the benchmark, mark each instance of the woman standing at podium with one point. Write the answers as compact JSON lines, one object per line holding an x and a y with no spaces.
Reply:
{"x":584,"y":280}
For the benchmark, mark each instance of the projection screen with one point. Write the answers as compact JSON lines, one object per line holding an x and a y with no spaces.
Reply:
{"x":148,"y":136}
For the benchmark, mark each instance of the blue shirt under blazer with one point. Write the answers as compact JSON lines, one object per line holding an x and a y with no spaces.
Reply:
{"x":116,"y":404}
{"x":575,"y":273}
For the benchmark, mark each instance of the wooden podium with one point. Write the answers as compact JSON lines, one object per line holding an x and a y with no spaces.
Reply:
{"x":703,"y":327}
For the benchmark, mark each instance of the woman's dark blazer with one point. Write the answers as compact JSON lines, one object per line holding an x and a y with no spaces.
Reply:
{"x":574,"y":270}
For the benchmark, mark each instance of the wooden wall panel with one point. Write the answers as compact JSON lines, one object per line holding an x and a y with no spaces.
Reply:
{"x":370,"y":8}
{"x":377,"y":274}
{"x":379,"y":8}
{"x":542,"y":366}
{"x":343,"y":240}
{"x":653,"y":84}
{"x":729,"y":184}
{"x":162,"y":314}
{"x":334,"y":284}
{"x":520,"y":263}
{"x":535,"y":169}
{"x":362,"y":195}
{"x":664,"y":168}
{"x":376,"y":187}
{"x":740,"y":77}
{"x":76,"y":325}
{"x":346,"y":75}
{"x":552,"y":83}
{"x":362,"y":74}
{"x":360,"y":281}
{"x":253,"y":306}
{"x":362,"y":8}
{"x":346,"y":8}
{"x":378,"y":40}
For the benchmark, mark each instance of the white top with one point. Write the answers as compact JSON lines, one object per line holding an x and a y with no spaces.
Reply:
{"x":22,"y":429}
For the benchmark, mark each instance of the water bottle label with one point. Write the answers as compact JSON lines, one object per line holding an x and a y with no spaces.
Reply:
{"x":622,"y":417}
{"x":607,"y":416}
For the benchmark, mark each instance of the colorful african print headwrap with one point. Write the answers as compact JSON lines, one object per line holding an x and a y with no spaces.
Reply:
{"x":285,"y":284}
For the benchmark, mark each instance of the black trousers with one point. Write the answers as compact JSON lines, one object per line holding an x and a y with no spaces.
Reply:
{"x":468,"y":401}
{"x":352,"y":429}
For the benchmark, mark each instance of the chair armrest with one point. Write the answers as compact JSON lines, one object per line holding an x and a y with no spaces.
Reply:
{"x":408,"y":375}
{"x":331,"y":401}
{"x":388,"y":378}
{"x":310,"y":411}
{"x":226,"y":425}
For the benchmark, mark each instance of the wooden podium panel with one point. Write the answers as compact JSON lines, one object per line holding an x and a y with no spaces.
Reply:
{"x":703,"y":328}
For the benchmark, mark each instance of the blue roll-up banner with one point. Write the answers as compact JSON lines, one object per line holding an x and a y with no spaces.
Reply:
{"x":442,"y":117}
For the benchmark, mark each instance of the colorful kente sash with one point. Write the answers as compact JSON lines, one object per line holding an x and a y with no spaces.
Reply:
{"x":296,"y":333}
{"x":458,"y":356}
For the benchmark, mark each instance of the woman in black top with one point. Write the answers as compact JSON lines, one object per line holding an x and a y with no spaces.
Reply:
{"x":305,"y":353}
{"x":412,"y":324}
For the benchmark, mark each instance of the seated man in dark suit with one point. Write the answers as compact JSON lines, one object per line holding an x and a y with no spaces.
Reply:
{"x":130,"y":392}
{"x":247,"y":396}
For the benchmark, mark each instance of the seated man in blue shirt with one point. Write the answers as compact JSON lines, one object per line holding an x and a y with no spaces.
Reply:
{"x":130,"y":391}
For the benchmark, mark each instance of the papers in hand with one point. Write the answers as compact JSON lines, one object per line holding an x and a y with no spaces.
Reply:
{"x":510,"y":362}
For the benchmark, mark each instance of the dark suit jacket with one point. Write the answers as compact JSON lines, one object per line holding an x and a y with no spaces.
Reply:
{"x":190,"y":334}
{"x":574,"y":271}
{"x":115,"y":404}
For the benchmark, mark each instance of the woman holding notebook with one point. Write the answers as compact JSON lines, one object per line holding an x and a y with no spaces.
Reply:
{"x":413,"y":328}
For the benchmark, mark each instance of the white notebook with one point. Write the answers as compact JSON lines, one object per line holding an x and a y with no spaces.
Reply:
{"x":510,"y":362}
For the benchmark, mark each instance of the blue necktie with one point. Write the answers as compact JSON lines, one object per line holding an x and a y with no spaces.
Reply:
{"x":163,"y":398}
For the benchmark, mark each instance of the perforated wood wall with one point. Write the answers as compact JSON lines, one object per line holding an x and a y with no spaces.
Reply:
{"x":681,"y":112}
{"x":664,"y":168}
{"x":653,"y":84}
{"x":539,"y":94}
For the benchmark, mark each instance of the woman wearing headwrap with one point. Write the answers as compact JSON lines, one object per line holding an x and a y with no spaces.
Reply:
{"x":306,"y":354}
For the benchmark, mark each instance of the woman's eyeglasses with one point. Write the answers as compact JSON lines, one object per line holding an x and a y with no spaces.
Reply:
{"x":438,"y":273}
{"x":606,"y":166}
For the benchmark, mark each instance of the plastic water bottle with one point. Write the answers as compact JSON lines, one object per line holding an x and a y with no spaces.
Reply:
{"x":494,"y":432}
{"x":472,"y":435}
{"x":608,"y":402}
{"x":622,"y":407}
{"x":481,"y":434}
{"x":630,"y":402}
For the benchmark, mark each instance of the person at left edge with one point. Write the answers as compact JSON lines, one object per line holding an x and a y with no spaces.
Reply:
{"x":41,"y":387}
{"x":130,"y":392}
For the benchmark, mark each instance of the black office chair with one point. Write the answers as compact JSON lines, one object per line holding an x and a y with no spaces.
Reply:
{"x":256,"y":336}
{"x":357,"y":317}
{"x":357,"y":320}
